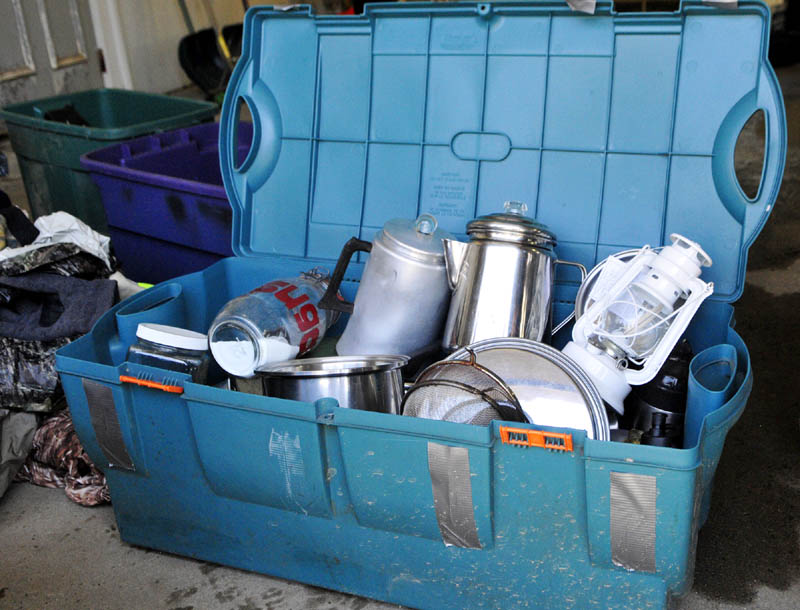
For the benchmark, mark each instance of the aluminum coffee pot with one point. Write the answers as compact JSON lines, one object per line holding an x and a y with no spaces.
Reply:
{"x":502,"y":279}
{"x":402,"y":300}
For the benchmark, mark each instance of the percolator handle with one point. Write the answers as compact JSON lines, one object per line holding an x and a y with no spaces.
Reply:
{"x":330,"y":300}
{"x":566,"y":320}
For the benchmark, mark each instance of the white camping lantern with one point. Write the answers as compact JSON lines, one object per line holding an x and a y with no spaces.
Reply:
{"x":640,"y":318}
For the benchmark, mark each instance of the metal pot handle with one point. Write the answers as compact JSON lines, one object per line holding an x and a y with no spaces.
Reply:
{"x":330,"y":300}
{"x":566,"y":320}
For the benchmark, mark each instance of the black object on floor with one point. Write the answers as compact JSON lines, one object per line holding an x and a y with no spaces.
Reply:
{"x":16,"y":221}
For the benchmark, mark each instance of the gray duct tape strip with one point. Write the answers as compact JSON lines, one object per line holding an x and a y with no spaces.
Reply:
{"x":698,"y":503}
{"x":103,"y":413}
{"x":633,"y":521}
{"x":452,"y":495}
{"x":583,"y":6}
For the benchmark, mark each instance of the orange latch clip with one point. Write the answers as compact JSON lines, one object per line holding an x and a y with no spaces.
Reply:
{"x":174,"y":389}
{"x":560,"y":441}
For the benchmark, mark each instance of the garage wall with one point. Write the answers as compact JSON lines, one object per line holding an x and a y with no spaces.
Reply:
{"x":140,"y":39}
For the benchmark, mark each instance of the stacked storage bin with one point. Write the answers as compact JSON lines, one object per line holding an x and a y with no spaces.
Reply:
{"x":50,"y":135}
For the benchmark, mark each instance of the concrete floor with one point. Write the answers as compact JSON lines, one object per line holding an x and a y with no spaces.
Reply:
{"x":56,"y":554}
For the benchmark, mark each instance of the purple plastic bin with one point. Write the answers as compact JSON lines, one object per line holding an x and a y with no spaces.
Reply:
{"x":167,"y":211}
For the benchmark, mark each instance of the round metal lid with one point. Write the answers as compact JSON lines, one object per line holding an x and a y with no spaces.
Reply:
{"x":552,"y":390}
{"x":420,"y":239}
{"x":512,"y":226}
{"x":333,"y":366}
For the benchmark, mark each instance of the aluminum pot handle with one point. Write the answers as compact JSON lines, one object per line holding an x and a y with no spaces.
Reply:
{"x":566,"y":320}
{"x":330,"y":300}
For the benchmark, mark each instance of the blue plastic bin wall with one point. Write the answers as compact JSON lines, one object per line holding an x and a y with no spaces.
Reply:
{"x":209,"y":474}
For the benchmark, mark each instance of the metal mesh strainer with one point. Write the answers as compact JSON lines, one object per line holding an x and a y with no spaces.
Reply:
{"x":462,"y":391}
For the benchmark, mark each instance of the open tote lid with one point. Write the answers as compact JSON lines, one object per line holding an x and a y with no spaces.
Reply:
{"x":616,"y":129}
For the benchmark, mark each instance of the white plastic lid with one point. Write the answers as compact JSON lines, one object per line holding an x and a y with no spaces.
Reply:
{"x":235,"y":357}
{"x":242,"y":358}
{"x":172,"y":336}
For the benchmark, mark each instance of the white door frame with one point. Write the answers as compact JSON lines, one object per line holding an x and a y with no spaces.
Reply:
{"x":110,"y":39}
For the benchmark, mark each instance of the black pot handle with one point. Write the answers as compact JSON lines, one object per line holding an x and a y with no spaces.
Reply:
{"x":330,"y":300}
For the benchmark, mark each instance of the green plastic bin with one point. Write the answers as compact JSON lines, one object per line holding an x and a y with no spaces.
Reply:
{"x":49,"y":151}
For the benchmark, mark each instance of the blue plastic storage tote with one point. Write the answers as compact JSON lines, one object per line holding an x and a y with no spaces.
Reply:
{"x":616,"y":129}
{"x":167,"y":211}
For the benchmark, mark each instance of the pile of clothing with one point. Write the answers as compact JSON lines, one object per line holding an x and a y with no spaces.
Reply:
{"x":58,"y":460}
{"x":54,"y":285}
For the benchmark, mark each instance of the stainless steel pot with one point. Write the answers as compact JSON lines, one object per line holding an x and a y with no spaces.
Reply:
{"x":369,"y":383}
{"x":502,"y":279}
{"x":403,"y":296}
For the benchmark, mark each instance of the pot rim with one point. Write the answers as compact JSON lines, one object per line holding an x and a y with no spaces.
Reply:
{"x":333,"y":366}
{"x":584,"y":385}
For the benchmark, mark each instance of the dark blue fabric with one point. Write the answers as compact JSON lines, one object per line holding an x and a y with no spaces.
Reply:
{"x":44,"y":306}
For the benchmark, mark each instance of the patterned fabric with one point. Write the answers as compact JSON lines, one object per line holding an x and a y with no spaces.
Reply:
{"x":28,"y":377}
{"x":58,"y":460}
{"x":62,"y":259}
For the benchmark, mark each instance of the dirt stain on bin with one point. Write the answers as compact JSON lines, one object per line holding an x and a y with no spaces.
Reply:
{"x":176,"y":207}
{"x":217,"y":213}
